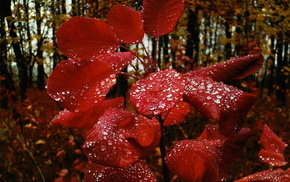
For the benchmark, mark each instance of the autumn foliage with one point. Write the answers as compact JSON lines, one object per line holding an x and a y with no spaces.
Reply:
{"x":121,"y":132}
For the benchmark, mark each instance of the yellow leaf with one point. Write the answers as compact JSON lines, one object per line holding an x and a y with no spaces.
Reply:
{"x":40,"y":142}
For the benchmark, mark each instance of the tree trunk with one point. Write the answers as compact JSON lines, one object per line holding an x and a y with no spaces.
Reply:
{"x":6,"y":82}
{"x":39,"y":53}
{"x":19,"y":57}
{"x":228,"y":46}
{"x":281,"y":77}
{"x":192,"y":43}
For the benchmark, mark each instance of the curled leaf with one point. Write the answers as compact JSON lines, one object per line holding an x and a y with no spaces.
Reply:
{"x":86,"y":119}
{"x":234,"y":69}
{"x":215,"y":100}
{"x":121,"y":138}
{"x":126,"y":23}
{"x":207,"y":158}
{"x":271,"y":141}
{"x":81,"y":37}
{"x":277,"y":175}
{"x":80,"y":85}
{"x":138,"y":171}
{"x":272,"y":158}
{"x":195,"y":160}
{"x":160,"y":17}
{"x":158,"y":92}
{"x":274,"y":147}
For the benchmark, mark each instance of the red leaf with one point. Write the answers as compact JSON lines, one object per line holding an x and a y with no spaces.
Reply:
{"x":81,"y":37}
{"x":160,"y":17}
{"x":271,"y":142}
{"x":158,"y":92}
{"x":237,"y":68}
{"x":207,"y":159}
{"x":195,"y":160}
{"x":277,"y":175}
{"x":274,"y":146}
{"x":272,"y":158}
{"x":177,"y":114}
{"x":121,"y":138}
{"x":211,"y":132}
{"x":85,"y":119}
{"x":80,"y":85}
{"x":118,"y":60}
{"x":136,"y":172}
{"x":218,"y":101}
{"x":254,"y":176}
{"x":126,"y":23}
{"x":232,"y":147}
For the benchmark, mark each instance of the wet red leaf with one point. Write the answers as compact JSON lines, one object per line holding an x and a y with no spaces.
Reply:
{"x":118,"y":61}
{"x":211,"y":132}
{"x":126,"y":23}
{"x":195,"y":160}
{"x":160,"y":17}
{"x":121,"y":138}
{"x":207,"y":158}
{"x":81,"y":37}
{"x":271,"y":141}
{"x":274,"y":147}
{"x":177,"y":114}
{"x":86,"y":119}
{"x":158,"y":92}
{"x":277,"y":175}
{"x":135,"y":172}
{"x":80,"y":85}
{"x":237,"y":68}
{"x":272,"y":158}
{"x":216,"y":100}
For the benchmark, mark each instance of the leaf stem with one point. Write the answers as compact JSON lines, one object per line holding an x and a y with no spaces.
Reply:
{"x":142,"y":62}
{"x":163,"y":150}
{"x":127,"y":74}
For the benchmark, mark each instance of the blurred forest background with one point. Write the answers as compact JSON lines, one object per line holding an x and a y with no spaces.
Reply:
{"x":207,"y":33}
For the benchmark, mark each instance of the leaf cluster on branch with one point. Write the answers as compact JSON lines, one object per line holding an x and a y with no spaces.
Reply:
{"x":119,"y":138}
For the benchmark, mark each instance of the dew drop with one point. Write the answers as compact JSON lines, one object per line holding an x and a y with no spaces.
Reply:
{"x":103,"y":148}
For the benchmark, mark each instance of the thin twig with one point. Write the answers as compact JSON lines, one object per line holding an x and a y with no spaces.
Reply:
{"x":163,"y":151}
{"x":31,"y":156}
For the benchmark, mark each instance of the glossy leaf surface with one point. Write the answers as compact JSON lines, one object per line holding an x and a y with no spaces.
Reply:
{"x":234,"y":69}
{"x":272,"y":158}
{"x":216,"y":100}
{"x":81,"y":37}
{"x":135,"y":172}
{"x":195,"y":160}
{"x":126,"y":23}
{"x":160,"y":17}
{"x":207,"y":158}
{"x":274,"y":147}
{"x":177,"y":114}
{"x":118,"y":61}
{"x":277,"y":175}
{"x":271,"y":141}
{"x":86,"y":119}
{"x":80,"y":85}
{"x":158,"y":92}
{"x":121,"y":138}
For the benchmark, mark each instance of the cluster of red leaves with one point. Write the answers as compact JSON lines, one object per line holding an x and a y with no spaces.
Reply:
{"x":117,"y":139}
{"x":272,"y":156}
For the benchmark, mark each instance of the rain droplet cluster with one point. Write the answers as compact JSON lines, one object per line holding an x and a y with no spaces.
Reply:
{"x":158,"y":92}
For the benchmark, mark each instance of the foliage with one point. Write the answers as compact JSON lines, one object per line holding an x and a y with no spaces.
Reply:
{"x":121,"y":137}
